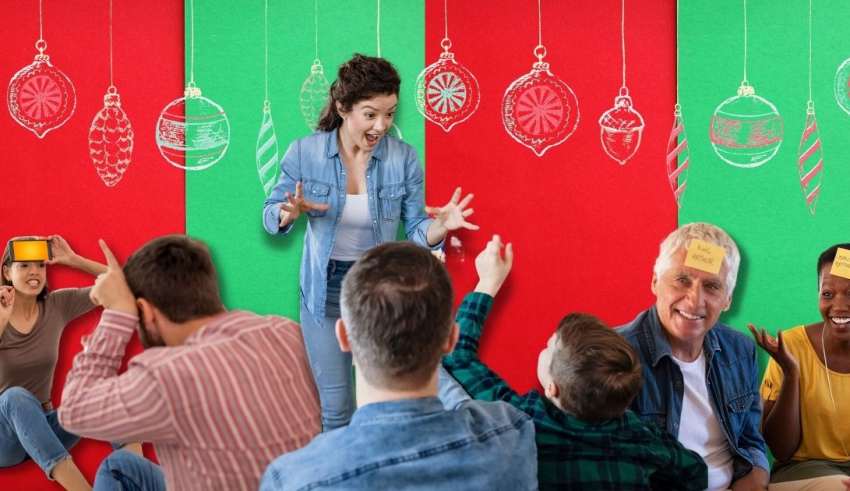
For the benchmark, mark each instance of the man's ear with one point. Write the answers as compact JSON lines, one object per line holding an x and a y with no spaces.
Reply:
{"x":451,"y":341}
{"x":342,"y":335}
{"x":654,"y":285}
{"x":551,"y":390}
{"x":148,"y":314}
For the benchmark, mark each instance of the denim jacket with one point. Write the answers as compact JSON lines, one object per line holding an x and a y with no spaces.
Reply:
{"x":732,"y":378}
{"x":395,"y":189}
{"x":415,"y":444}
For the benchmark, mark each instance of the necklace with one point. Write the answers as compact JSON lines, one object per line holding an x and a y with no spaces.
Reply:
{"x":829,"y":384}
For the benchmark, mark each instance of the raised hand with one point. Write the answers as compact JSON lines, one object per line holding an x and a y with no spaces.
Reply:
{"x":775,"y":348}
{"x":62,"y":252}
{"x":296,"y":204}
{"x":492,"y":268}
{"x":452,"y":215}
{"x":7,"y":301}
{"x":110,"y":289}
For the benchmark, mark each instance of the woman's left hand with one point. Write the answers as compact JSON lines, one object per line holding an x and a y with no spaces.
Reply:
{"x":62,"y":252}
{"x":452,"y":216}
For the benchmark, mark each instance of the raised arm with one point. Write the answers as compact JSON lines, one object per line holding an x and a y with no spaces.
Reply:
{"x":63,"y":254}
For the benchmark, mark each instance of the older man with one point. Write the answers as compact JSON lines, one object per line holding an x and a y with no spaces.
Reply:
{"x":700,"y":376}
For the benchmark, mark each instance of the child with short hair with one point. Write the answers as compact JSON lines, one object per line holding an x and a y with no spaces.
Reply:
{"x":586,"y":438}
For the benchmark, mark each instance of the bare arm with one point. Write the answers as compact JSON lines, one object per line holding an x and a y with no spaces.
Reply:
{"x":63,"y":254}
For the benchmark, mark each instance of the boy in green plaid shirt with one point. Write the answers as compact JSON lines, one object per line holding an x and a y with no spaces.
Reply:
{"x":586,"y":438}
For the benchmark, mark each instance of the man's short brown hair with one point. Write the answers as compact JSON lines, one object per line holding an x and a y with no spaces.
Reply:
{"x":396,"y":303}
{"x":176,"y":274}
{"x":597,"y":371}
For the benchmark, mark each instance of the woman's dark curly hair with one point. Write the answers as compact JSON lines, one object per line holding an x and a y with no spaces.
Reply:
{"x":361,"y":77}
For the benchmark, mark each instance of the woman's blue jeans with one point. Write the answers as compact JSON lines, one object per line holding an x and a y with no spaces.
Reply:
{"x":26,"y":430}
{"x":331,"y":367}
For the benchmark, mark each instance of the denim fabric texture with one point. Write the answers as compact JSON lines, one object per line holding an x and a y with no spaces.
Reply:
{"x":415,"y":444}
{"x":126,"y":471}
{"x":394,"y":185}
{"x":732,"y":378}
{"x":26,"y":430}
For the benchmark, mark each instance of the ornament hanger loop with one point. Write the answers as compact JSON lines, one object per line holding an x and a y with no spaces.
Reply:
{"x":446,"y":43}
{"x":677,"y":110}
{"x":624,"y":91}
{"x":810,"y":107}
{"x":267,"y":106}
{"x":746,"y":88}
{"x":192,"y":90}
{"x":112,"y":90}
{"x":539,"y":52}
{"x":41,"y":46}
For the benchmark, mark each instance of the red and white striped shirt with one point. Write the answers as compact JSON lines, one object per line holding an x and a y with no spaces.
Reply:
{"x":218,"y":409}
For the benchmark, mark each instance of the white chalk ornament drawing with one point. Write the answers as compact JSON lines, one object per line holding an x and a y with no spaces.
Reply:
{"x":314,"y":94}
{"x":192,"y":132}
{"x":621,"y":127}
{"x":266,"y":151}
{"x":40,"y":97}
{"x":842,"y":86}
{"x":447,"y":92}
{"x":678,"y":157}
{"x":810,"y":151}
{"x":111,"y":139}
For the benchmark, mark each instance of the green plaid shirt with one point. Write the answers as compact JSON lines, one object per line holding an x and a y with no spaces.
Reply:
{"x":621,"y":454}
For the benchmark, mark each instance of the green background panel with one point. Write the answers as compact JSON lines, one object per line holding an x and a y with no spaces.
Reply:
{"x":224,"y":203}
{"x":763,"y":208}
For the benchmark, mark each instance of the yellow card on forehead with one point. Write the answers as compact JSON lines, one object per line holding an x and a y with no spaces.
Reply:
{"x":704,"y":256}
{"x":841,"y":264}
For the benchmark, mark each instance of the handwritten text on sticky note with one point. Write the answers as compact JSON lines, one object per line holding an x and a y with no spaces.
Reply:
{"x":841,"y":263}
{"x":705,"y":256}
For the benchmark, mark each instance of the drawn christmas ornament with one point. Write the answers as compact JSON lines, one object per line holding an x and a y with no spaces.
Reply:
{"x":678,"y":157}
{"x":447,"y":92}
{"x":266,"y":150}
{"x":111,"y":139}
{"x":842,"y":86}
{"x":314,"y":94}
{"x":810,"y":151}
{"x":41,"y":97}
{"x":192,"y":132}
{"x":621,"y":127}
{"x":746,"y":130}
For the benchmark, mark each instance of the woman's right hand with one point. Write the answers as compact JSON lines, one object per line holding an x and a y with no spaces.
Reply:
{"x":775,"y":348}
{"x":7,"y":301}
{"x":292,"y":208}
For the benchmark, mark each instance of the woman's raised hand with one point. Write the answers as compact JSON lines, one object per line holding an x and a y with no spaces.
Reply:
{"x":452,"y":215}
{"x":296,"y":204}
{"x":62,"y":252}
{"x":7,"y":301}
{"x":775,"y":348}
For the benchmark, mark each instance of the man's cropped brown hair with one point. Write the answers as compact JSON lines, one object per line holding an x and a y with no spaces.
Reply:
{"x":396,"y":303}
{"x":597,"y":371}
{"x":176,"y":274}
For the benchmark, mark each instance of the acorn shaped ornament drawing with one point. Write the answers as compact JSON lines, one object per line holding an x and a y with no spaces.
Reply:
{"x":314,"y":94}
{"x":746,"y":130}
{"x":621,"y":128}
{"x":111,"y":139}
{"x":41,"y":97}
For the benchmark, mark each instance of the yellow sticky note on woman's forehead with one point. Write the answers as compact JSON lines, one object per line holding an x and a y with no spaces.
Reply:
{"x":704,"y":256}
{"x":841,"y":263}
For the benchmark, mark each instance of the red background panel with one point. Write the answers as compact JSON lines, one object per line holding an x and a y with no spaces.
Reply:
{"x":585,"y":229}
{"x":50,"y":186}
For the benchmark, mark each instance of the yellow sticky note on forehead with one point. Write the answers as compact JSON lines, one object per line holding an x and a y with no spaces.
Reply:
{"x":705,"y":256}
{"x":841,"y":264}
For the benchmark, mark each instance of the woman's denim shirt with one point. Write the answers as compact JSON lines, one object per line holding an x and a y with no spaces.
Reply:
{"x":394,"y":185}
{"x":732,"y":378}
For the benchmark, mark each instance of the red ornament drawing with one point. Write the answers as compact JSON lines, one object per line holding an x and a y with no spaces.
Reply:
{"x":111,"y":139}
{"x":621,"y":128}
{"x":810,"y":160}
{"x":678,"y":157}
{"x":447,"y":92}
{"x":40,"y":97}
{"x":539,"y":110}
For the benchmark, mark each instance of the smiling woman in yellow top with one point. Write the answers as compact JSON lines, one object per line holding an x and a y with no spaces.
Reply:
{"x":806,"y":391}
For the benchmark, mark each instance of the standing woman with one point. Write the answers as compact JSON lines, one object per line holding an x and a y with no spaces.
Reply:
{"x":31,"y":323}
{"x":356,"y":184}
{"x":806,"y":391}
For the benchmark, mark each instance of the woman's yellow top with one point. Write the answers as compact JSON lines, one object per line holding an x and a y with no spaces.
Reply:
{"x":823,"y":426}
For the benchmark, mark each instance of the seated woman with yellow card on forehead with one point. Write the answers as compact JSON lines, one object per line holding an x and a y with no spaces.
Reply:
{"x":31,"y":323}
{"x":806,"y":388}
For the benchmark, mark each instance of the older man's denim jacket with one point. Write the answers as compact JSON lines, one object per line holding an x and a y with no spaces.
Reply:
{"x":732,"y":378}
{"x":416,"y":444}
{"x":395,"y":189}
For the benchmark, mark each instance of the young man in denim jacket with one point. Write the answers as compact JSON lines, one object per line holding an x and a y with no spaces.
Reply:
{"x":701,"y":378}
{"x":397,"y":322}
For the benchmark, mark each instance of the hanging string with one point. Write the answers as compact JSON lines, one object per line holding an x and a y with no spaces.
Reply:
{"x":677,"y":52}
{"x":40,"y":21}
{"x":745,"y":40}
{"x":446,"y":18}
{"x":111,"y":80}
{"x":316,"y":26}
{"x":266,"y":37}
{"x":378,"y":28}
{"x":192,"y":42}
{"x":623,"y":37}
{"x":810,"y":50}
{"x":539,"y":24}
